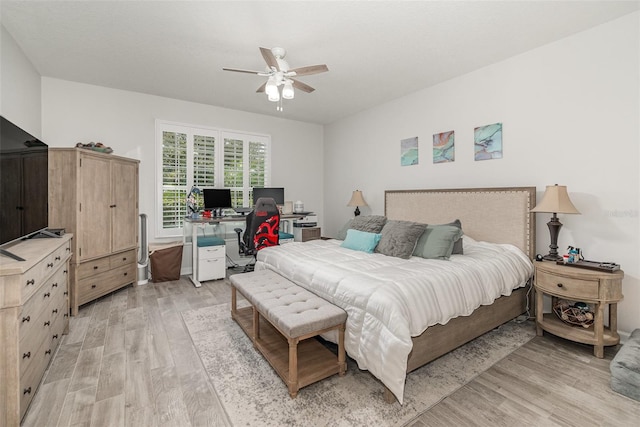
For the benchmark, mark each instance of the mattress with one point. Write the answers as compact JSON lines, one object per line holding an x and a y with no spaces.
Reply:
{"x":389,"y":300}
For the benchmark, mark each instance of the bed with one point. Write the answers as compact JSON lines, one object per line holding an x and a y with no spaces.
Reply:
{"x":404,"y":313}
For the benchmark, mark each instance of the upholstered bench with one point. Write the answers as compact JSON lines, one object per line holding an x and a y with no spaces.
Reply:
{"x":625,"y":368}
{"x":293,"y":317}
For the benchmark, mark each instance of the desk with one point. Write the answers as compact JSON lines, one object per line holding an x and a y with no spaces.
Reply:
{"x":201,"y":222}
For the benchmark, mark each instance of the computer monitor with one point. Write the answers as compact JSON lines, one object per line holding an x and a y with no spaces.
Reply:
{"x":277,"y":193}
{"x":215,"y":198}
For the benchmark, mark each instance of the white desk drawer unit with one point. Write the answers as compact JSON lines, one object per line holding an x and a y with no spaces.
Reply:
{"x":212,"y":263}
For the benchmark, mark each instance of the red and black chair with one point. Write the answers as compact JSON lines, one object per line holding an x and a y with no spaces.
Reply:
{"x":262,"y":230}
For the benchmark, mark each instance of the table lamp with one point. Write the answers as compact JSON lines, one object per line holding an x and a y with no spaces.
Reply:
{"x":555,"y":200}
{"x":357,"y":200}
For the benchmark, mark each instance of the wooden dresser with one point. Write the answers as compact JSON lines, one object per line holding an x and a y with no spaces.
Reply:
{"x":94,"y":196}
{"x":34,"y":313}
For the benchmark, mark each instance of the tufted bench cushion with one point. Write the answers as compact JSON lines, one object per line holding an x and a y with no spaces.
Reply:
{"x":295,"y":315}
{"x":292,"y":309}
{"x":625,"y":368}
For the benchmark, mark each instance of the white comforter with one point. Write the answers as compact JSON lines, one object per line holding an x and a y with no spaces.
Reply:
{"x":388,"y":300}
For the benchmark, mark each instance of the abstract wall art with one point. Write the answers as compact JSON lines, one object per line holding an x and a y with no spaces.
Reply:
{"x":488,"y":142}
{"x":444,"y":147}
{"x":409,"y":151}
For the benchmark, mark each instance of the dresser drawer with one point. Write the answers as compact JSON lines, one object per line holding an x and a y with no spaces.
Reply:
{"x":93,"y":287}
{"x":559,"y":285}
{"x":31,"y":379}
{"x":93,"y":267}
{"x":123,"y":258}
{"x":40,"y":304}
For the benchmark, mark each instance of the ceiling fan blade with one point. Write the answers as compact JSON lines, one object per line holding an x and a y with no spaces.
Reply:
{"x":302,"y":86}
{"x":238,"y":70}
{"x":269,"y":58}
{"x":262,"y":88}
{"x":311,"y":69}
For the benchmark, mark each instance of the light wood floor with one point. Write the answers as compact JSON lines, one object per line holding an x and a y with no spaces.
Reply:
{"x":128,"y":360}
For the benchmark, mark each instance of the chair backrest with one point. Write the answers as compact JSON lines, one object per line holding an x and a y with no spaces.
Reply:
{"x":263,"y":225}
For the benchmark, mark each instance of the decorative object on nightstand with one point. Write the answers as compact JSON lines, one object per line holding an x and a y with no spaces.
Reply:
{"x":590,"y":291}
{"x":555,"y":200}
{"x":357,"y":200}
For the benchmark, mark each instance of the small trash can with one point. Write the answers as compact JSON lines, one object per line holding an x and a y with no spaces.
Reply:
{"x":166,"y":261}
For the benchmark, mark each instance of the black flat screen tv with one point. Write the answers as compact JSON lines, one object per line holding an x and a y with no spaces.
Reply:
{"x":24,"y":183}
{"x":276,"y":193}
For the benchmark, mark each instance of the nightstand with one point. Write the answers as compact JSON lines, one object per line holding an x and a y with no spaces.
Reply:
{"x":599,"y":289}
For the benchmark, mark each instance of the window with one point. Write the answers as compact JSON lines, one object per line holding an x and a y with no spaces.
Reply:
{"x":206,"y":158}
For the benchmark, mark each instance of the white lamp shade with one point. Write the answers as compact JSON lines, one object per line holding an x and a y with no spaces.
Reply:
{"x":357,"y":199}
{"x":556,"y":200}
{"x":271,"y":89}
{"x":287,"y":91}
{"x":275,"y":96}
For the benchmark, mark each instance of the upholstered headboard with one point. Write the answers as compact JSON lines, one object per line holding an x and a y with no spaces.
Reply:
{"x":497,"y":215}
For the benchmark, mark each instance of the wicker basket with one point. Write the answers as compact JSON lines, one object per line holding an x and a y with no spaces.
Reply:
{"x":569,"y":313}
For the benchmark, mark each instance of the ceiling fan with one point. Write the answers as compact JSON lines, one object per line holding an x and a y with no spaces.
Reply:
{"x":280,"y":77}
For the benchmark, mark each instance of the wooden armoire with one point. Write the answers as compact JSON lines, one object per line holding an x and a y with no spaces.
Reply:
{"x":95,"y":196}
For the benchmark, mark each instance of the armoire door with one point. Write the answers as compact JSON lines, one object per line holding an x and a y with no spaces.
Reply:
{"x":94,"y":216}
{"x":124,"y":211}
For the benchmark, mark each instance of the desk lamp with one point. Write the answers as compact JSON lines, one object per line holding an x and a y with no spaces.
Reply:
{"x":357,"y":200}
{"x":555,"y":200}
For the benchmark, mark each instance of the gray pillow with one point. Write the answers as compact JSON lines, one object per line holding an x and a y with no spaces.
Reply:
{"x":399,"y":238}
{"x":437,"y":241}
{"x":457,"y":245}
{"x":369,"y":223}
{"x":342,"y":233}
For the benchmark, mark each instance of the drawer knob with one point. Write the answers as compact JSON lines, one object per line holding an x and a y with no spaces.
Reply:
{"x":54,"y":311}
{"x":27,"y":391}
{"x":47,"y":323}
{"x":124,"y":258}
{"x":49,"y":264}
{"x":65,"y":271}
{"x":31,"y":282}
{"x":46,"y":295}
{"x":65,"y":315}
{"x":68,"y":249}
{"x":57,"y":258}
{"x":54,"y":285}
{"x":126,"y":274}
{"x":95,"y":267}
{"x":26,"y":319}
{"x":65,"y":293}
{"x":48,"y":351}
{"x":93,"y":286}
{"x":55,"y":337}
{"x":560,"y":285}
{"x":26,"y":355}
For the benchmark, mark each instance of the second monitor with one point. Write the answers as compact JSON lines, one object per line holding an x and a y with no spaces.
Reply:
{"x":216,"y":198}
{"x":277,"y":193}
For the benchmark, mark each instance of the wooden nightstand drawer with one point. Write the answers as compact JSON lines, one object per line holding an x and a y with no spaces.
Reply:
{"x":567,"y":287}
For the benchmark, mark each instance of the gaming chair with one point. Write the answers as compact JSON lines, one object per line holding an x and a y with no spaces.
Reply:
{"x":263,"y":226}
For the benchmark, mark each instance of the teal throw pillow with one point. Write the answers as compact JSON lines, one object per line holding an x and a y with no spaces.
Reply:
{"x":361,"y":240}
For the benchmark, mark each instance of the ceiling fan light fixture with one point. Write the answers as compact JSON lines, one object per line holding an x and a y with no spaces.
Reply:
{"x":274,"y":96}
{"x":271,"y":89}
{"x":287,"y":90}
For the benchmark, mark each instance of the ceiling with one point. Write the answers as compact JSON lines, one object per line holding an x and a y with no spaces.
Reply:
{"x":375,"y":51}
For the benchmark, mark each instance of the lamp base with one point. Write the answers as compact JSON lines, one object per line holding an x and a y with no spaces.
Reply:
{"x":554,"y":229}
{"x":550,"y":257}
{"x":357,"y":211}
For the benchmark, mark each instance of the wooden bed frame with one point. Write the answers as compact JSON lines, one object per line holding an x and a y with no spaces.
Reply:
{"x":497,"y":215}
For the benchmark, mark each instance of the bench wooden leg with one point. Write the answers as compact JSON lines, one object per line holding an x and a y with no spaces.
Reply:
{"x":293,"y":367}
{"x":342,"y":360}
{"x":234,"y":302}
{"x":256,"y":325}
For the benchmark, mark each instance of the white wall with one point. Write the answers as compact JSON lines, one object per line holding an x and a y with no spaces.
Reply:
{"x":19,"y":86}
{"x":570,"y":114}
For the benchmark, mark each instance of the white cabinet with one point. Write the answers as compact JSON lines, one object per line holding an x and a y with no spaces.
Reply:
{"x":211,"y":263}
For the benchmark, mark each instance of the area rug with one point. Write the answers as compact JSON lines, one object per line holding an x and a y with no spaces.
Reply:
{"x":254,"y":395}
